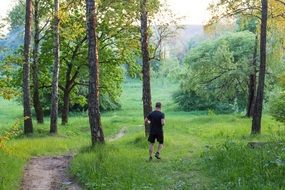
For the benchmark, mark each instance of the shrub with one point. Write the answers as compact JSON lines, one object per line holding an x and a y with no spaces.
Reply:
{"x":191,"y":101}
{"x":277,"y":107}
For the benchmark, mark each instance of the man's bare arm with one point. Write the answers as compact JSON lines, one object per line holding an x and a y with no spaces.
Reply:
{"x":162,"y":122}
{"x":146,"y":120}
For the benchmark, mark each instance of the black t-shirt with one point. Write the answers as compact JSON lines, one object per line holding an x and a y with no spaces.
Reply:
{"x":155,"y":122}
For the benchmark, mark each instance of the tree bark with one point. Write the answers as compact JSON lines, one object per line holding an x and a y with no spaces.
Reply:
{"x":54,"y":96}
{"x":36,"y":97}
{"x":146,"y":94}
{"x":66,"y":95}
{"x":97,"y":135}
{"x":28,"y":124}
{"x":256,"y":122}
{"x":252,"y":82}
{"x":65,"y":108}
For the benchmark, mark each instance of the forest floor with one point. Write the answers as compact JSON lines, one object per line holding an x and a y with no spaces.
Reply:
{"x":48,"y":173}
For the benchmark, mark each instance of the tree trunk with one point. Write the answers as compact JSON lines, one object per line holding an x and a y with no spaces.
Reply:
{"x":54,"y":96}
{"x":252,"y":82}
{"x":70,"y":83}
{"x":65,"y":108}
{"x":147,"y":108}
{"x":36,"y":96}
{"x":97,"y":135}
{"x":28,"y":124}
{"x":256,"y":122}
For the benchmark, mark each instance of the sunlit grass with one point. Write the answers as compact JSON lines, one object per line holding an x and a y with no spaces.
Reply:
{"x":202,"y":150}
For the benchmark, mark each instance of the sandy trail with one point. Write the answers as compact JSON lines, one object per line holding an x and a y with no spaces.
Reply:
{"x":119,"y":135}
{"x":48,"y":173}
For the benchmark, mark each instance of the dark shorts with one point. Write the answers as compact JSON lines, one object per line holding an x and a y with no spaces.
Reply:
{"x":158,"y":137}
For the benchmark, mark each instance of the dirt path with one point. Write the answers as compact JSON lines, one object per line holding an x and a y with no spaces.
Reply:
{"x":48,"y":173}
{"x":119,"y":135}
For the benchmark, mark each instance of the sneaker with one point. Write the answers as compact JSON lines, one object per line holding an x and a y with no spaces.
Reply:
{"x":157,"y":155}
{"x":150,"y":158}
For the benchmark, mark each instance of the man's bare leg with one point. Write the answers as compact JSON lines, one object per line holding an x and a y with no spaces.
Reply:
{"x":150,"y":150}
{"x":159,"y":148}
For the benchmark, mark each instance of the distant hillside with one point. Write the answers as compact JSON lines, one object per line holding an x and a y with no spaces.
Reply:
{"x":190,"y":31}
{"x":179,"y":45}
{"x":11,"y":42}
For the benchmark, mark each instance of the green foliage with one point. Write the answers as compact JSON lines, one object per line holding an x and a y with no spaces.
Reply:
{"x":9,"y":70}
{"x":190,"y":101}
{"x":16,"y":17}
{"x":168,"y":69}
{"x":107,"y":104}
{"x":277,"y":107}
{"x":218,"y":70}
{"x":277,"y":99}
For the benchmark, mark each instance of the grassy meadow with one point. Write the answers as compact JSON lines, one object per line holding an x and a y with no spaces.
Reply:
{"x":202,"y":150}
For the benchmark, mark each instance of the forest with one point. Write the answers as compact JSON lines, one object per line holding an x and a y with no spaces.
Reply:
{"x":84,"y":85}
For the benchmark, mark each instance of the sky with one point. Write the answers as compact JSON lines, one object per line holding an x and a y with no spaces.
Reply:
{"x":5,"y":6}
{"x":194,"y":11}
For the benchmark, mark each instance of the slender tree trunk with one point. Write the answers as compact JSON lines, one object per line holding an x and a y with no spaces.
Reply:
{"x":36,"y":96}
{"x":65,"y":108}
{"x":256,"y":122}
{"x":146,"y":96}
{"x":28,"y":124}
{"x":97,"y":135}
{"x":54,"y":96}
{"x":252,"y":82}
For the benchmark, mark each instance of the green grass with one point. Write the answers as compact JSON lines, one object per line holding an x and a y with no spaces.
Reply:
{"x":9,"y":111}
{"x":201,"y":151}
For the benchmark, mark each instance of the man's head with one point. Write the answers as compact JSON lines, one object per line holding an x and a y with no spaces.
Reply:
{"x":158,"y":106}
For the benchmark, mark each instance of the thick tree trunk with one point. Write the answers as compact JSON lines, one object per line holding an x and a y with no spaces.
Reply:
{"x":256,"y":122}
{"x":54,"y":96}
{"x":97,"y":135}
{"x":65,"y":108}
{"x":252,"y":82}
{"x":146,"y":96}
{"x":28,"y":124}
{"x":36,"y":95}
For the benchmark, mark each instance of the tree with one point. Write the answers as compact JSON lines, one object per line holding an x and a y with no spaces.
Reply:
{"x":256,"y":121}
{"x":54,"y":96}
{"x":250,"y":23}
{"x":118,"y":49}
{"x":28,"y":124}
{"x":35,"y":72}
{"x":97,"y":135}
{"x":146,"y":94}
{"x":252,"y":82}
{"x":217,"y":73}
{"x":253,"y":8}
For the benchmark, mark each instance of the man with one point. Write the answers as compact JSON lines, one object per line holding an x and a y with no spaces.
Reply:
{"x":156,"y":121}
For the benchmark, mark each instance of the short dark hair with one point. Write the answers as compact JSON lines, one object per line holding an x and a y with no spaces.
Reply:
{"x":158,"y":105}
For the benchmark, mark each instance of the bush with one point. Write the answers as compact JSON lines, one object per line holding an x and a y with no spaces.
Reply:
{"x":191,"y":101}
{"x":277,"y":107}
